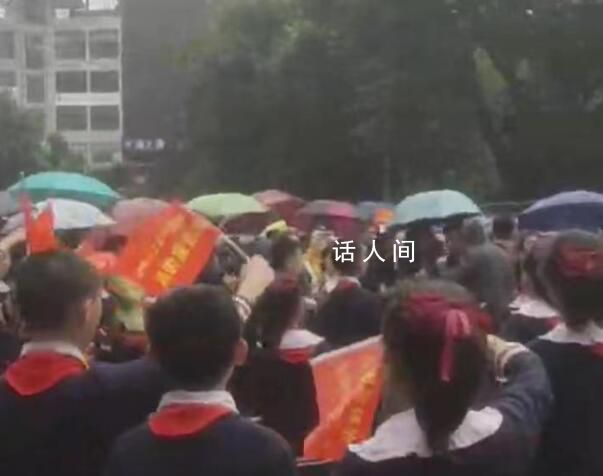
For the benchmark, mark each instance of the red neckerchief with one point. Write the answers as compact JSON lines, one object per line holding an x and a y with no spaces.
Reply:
{"x":38,"y":372}
{"x":184,"y":420}
{"x":296,"y":356}
{"x":346,"y":283}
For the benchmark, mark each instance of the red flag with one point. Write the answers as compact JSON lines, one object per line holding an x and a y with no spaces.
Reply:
{"x":348,"y":391}
{"x":39,"y":231}
{"x":167,"y":250}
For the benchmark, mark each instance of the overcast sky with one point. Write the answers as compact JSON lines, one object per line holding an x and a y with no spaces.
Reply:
{"x":103,"y":4}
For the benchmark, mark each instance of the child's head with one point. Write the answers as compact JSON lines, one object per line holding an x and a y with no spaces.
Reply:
{"x":573,"y":272}
{"x":278,"y":309}
{"x":435,"y":350}
{"x":195,"y":334}
{"x":286,"y":254}
{"x":532,"y":266}
{"x":58,"y":296}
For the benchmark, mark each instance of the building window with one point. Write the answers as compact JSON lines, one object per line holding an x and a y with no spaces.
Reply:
{"x":34,"y":52}
{"x":7,"y":45}
{"x":104,"y":44}
{"x":70,"y":44}
{"x":35,"y":88}
{"x":104,"y":153}
{"x":8,"y":79}
{"x":71,"y":82}
{"x":72,"y":118}
{"x":35,"y":11}
{"x":104,"y":118}
{"x":104,"y":81}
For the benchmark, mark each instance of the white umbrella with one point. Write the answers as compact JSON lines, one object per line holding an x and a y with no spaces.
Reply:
{"x":68,"y":215}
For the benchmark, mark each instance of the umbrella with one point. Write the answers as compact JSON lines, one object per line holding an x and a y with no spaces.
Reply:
{"x":282,"y":203}
{"x":578,"y":209}
{"x":68,"y":215}
{"x":128,"y":214}
{"x":434,"y":206}
{"x":8,"y":204}
{"x":222,"y":206}
{"x":341,"y":217}
{"x":66,"y":185}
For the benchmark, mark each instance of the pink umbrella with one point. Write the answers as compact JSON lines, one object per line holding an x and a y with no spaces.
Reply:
{"x":341,"y":217}
{"x":129,"y":213}
{"x":282,"y":203}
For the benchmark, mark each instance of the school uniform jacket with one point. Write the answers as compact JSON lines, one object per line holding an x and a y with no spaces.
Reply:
{"x":497,"y":440}
{"x":277,"y":385}
{"x":59,"y":418}
{"x":200,"y":433}
{"x":530,"y":318}
{"x":572,"y":441}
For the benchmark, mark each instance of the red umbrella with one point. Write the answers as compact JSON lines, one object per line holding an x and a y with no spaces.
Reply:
{"x":282,"y":203}
{"x":341,"y":217}
{"x":130,"y":213}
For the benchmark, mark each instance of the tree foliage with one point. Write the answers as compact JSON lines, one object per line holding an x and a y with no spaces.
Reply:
{"x":20,"y":137}
{"x":366,"y":98}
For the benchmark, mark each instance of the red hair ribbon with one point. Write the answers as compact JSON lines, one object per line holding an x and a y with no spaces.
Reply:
{"x":433,"y":314}
{"x":576,"y":262}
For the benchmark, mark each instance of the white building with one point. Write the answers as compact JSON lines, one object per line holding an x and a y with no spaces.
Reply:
{"x":62,"y":60}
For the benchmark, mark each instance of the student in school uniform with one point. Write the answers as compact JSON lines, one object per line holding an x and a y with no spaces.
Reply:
{"x":531,"y":313}
{"x":435,"y":360}
{"x":195,"y":334}
{"x":572,"y":441}
{"x":349,"y":313}
{"x":276,"y":384}
{"x":57,"y":413}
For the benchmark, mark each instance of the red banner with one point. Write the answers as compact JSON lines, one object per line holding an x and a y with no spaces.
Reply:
{"x":348,"y":390}
{"x":167,"y":250}
{"x":39,"y":231}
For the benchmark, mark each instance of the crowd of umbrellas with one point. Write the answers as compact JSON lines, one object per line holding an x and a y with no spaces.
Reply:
{"x":82,"y":202}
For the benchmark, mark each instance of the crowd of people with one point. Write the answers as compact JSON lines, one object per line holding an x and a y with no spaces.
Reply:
{"x":492,"y":362}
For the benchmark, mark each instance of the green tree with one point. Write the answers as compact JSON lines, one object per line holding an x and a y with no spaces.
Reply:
{"x":20,"y":137}
{"x":56,"y":155}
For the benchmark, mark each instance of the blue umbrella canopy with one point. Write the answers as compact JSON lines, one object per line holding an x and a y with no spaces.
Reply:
{"x":578,"y":209}
{"x":434,"y":206}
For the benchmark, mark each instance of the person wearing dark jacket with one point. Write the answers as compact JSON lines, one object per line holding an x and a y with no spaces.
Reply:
{"x":571,"y":444}
{"x":348,"y":313}
{"x":58,"y":413}
{"x":484,"y":269}
{"x":195,"y":334}
{"x":435,"y":361}
{"x":276,"y":384}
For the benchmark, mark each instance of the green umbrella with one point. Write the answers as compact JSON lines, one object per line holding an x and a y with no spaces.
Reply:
{"x":72,"y":186}
{"x":434,"y":206}
{"x":226,"y":205}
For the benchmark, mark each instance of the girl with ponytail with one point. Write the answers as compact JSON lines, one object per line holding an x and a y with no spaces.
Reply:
{"x":436,"y":358}
{"x":573,"y":355}
{"x":277,"y":384}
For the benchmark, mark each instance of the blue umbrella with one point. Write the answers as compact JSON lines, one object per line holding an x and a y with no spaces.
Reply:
{"x":579,"y":209}
{"x":434,"y":206}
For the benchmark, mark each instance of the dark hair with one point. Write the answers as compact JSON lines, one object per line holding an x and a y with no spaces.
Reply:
{"x":579,"y":296}
{"x":50,"y":285}
{"x":283,"y":248}
{"x":193,"y":333}
{"x":346,"y":268}
{"x":503,"y":226}
{"x":415,"y":354}
{"x":273,"y":313}
{"x":532,"y":265}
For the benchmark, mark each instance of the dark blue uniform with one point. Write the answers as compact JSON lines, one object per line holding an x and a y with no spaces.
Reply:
{"x":572,"y":440}
{"x":497,"y":440}
{"x":192,"y":439}
{"x":58,"y":418}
